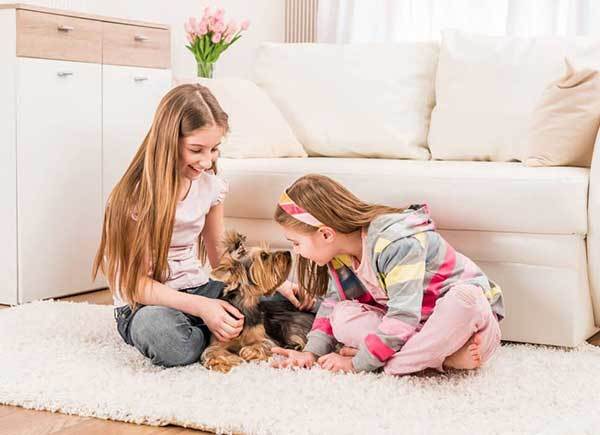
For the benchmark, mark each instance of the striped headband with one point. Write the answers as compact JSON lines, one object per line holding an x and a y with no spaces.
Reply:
{"x":288,"y":205}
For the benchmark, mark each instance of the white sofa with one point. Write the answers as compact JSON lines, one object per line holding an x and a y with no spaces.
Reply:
{"x":535,"y":231}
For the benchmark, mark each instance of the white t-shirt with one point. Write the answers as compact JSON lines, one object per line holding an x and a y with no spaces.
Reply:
{"x":185,"y":268}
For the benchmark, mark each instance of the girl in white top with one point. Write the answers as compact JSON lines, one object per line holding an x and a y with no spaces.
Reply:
{"x":163,"y":219}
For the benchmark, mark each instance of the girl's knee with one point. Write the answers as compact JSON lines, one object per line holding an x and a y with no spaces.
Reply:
{"x":166,"y":336}
{"x":351,"y":321}
{"x":467,"y":299}
{"x":470,"y":295}
{"x":346,"y":313}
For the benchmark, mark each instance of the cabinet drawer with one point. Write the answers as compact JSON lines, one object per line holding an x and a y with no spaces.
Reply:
{"x":58,"y":37}
{"x":135,"y":46}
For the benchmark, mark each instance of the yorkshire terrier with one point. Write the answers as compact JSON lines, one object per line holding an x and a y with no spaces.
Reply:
{"x":249,"y":274}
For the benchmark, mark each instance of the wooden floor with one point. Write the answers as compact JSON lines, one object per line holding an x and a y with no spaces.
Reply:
{"x":17,"y":421}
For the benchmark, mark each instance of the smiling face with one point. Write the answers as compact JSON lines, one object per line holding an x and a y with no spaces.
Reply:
{"x":318,"y":246}
{"x":199,"y":150}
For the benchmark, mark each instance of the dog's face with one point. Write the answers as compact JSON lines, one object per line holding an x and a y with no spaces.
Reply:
{"x":252,"y":271}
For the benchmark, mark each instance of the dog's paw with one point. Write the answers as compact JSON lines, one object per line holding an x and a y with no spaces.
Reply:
{"x":255,"y":353}
{"x":223,"y":364}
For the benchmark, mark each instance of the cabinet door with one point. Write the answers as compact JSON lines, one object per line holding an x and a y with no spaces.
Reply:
{"x":130,"y":98}
{"x":59,"y":187}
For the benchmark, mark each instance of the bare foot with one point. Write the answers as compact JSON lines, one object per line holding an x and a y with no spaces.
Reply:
{"x":467,"y":357}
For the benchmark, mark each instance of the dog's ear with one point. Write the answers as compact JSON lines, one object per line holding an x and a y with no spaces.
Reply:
{"x":230,"y":272}
{"x":235,"y":244}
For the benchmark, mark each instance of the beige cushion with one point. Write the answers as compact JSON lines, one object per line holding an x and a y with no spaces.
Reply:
{"x":257,"y":127}
{"x":480,"y":196}
{"x":565,"y":121}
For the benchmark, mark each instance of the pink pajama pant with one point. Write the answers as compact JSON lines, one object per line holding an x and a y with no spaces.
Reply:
{"x":461,"y":312}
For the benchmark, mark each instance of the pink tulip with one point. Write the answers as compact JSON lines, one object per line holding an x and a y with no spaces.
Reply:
{"x":245,"y":24}
{"x":216,"y":38}
{"x":217,"y":25}
{"x":202,"y":28}
{"x":229,"y":38}
{"x":187,"y":26}
{"x":220,"y":13}
{"x":212,"y":21}
{"x":190,"y":37}
{"x":206,"y":12}
{"x":232,"y":28}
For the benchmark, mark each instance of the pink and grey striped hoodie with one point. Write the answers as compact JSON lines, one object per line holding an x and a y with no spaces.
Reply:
{"x":415,"y":266}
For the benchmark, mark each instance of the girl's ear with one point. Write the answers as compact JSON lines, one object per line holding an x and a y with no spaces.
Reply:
{"x":327,"y":233}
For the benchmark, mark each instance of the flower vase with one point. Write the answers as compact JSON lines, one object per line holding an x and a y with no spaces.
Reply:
{"x":206,"y":69}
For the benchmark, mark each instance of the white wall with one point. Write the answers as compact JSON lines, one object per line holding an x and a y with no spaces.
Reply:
{"x":266,"y":16}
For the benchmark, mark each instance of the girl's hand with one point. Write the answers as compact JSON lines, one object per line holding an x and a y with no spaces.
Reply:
{"x":299,"y":298}
{"x":223,"y":319}
{"x":293,"y":358}
{"x":336,"y":363}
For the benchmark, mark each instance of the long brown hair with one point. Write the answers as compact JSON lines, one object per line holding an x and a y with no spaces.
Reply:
{"x":334,"y":206}
{"x":140,"y":211}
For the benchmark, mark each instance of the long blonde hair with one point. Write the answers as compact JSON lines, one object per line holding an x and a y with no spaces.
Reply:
{"x":334,"y":206}
{"x":140,"y":211}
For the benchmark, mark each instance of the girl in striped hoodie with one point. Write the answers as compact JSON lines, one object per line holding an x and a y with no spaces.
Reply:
{"x":397,"y":296}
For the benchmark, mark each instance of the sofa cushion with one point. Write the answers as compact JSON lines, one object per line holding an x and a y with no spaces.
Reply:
{"x":256,"y":126}
{"x":566,"y":120}
{"x":353,"y":100}
{"x":486,"y":196}
{"x":487,"y":87}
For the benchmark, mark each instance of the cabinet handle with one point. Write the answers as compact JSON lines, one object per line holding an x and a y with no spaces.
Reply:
{"x":64,"y":73}
{"x":62,"y":28}
{"x":141,"y":38}
{"x":140,"y":78}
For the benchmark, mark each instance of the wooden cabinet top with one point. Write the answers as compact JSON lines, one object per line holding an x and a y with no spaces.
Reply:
{"x":66,"y":13}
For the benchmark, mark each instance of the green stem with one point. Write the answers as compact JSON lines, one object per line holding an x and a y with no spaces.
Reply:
{"x":205,"y":69}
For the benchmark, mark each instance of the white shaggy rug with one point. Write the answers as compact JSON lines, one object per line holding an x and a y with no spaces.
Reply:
{"x":68,"y":357}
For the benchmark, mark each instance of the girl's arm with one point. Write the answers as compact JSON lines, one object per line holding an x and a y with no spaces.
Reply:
{"x":213,"y":231}
{"x":223,"y":319}
{"x":155,"y":293}
{"x":320,"y":340}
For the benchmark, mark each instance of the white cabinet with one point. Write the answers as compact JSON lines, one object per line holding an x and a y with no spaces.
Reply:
{"x":130,"y":98}
{"x":69,"y":126}
{"x":59,"y":173}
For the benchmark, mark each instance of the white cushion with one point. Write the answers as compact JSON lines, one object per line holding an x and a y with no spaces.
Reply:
{"x":487,"y":87}
{"x":485,"y":196}
{"x":353,"y":100}
{"x":256,"y":126}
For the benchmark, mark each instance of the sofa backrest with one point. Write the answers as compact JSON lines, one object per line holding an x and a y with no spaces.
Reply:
{"x":376,"y":100}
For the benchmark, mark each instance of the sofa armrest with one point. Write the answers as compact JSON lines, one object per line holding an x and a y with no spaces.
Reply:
{"x":593,"y":235}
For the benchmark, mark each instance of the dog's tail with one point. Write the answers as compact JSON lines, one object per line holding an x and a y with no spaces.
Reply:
{"x":285,"y":324}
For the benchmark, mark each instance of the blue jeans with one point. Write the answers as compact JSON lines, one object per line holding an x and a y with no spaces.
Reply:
{"x":166,"y":336}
